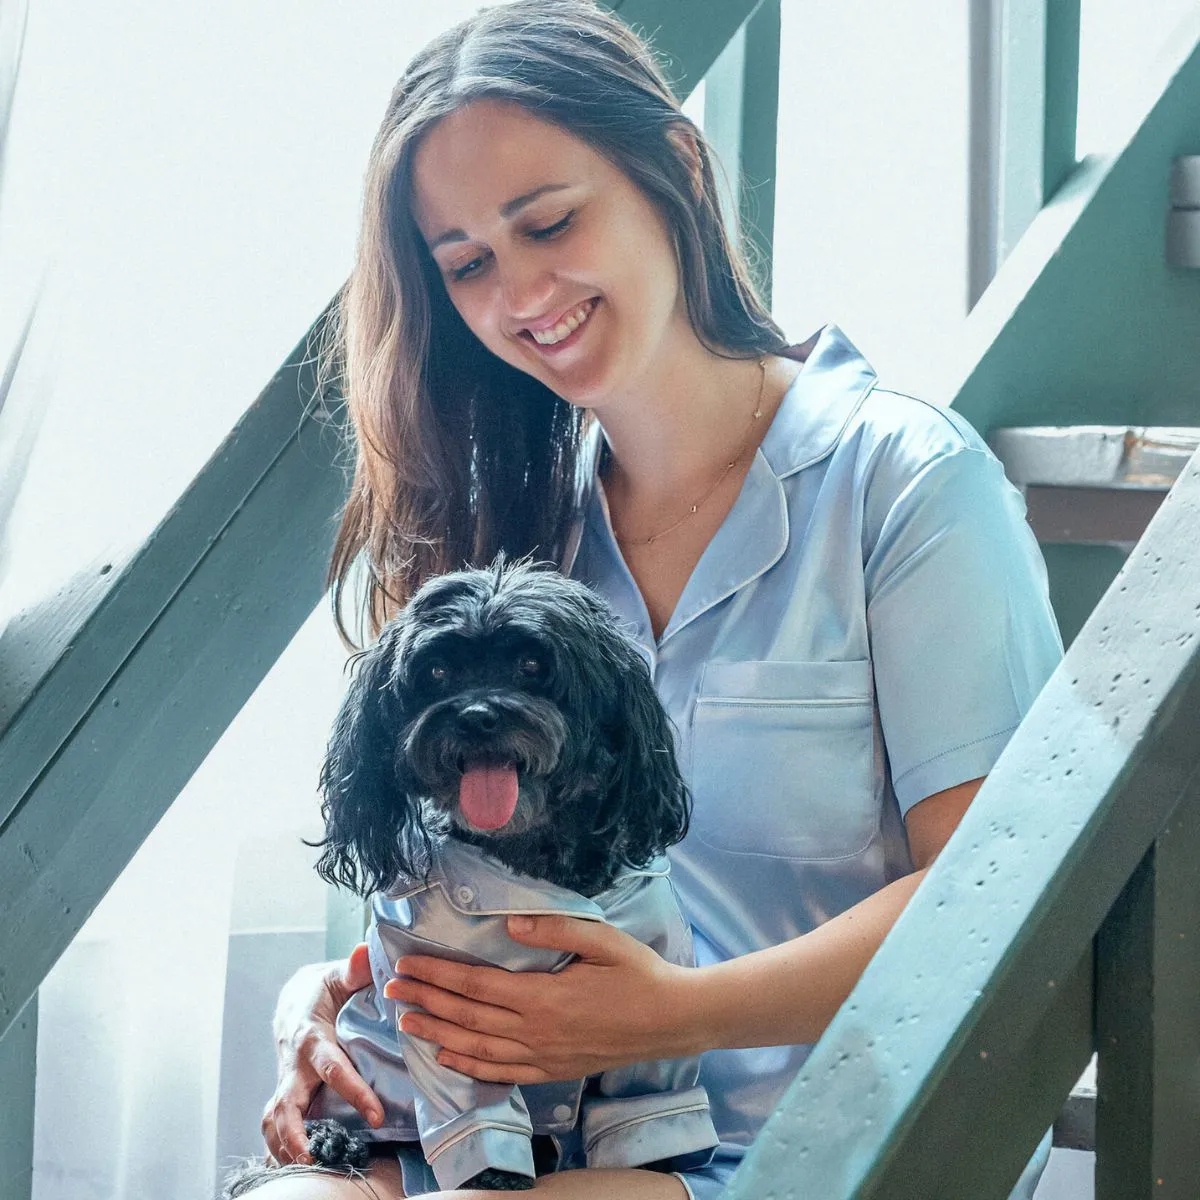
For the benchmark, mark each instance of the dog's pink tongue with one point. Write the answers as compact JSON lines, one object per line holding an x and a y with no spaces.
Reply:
{"x":488,"y":795}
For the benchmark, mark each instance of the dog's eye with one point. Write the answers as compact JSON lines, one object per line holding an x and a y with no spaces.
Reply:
{"x":529,"y":666}
{"x":437,"y":673}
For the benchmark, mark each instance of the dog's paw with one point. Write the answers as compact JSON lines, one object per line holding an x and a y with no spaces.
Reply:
{"x":491,"y":1180}
{"x":331,"y":1144}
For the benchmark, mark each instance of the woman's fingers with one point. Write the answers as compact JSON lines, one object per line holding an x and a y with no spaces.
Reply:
{"x":469,"y":1014}
{"x":454,"y":1038}
{"x":283,"y":1118}
{"x":353,"y":976}
{"x":490,"y":1072}
{"x":309,"y":1054}
{"x":335,"y":1070}
{"x":283,"y":1130}
{"x":591,"y":941}
{"x":489,"y":985}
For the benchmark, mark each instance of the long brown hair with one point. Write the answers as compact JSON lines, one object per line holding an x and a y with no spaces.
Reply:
{"x":459,"y":455}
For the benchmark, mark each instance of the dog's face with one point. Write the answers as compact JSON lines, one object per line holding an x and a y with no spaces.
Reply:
{"x":485,"y":681}
{"x":503,"y":707}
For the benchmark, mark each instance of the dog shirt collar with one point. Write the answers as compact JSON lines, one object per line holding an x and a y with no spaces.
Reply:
{"x":478,"y":885}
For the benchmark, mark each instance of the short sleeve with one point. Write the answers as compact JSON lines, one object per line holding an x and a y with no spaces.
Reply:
{"x":962,"y":633}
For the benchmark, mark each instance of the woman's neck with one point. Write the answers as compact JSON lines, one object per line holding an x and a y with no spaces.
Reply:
{"x":670,"y":446}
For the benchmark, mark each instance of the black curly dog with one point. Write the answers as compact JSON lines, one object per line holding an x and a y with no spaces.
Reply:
{"x":512,"y":666}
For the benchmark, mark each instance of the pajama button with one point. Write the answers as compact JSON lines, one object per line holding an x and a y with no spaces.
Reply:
{"x":563,"y":1112}
{"x":464,"y":894}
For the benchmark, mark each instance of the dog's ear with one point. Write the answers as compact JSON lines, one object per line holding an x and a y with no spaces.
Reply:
{"x":648,"y":805}
{"x":372,"y":822}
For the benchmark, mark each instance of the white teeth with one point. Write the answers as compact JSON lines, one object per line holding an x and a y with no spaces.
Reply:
{"x":565,"y":327}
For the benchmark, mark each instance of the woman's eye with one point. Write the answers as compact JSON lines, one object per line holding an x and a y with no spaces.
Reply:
{"x":551,"y":230}
{"x":465,"y":272}
{"x":470,"y":270}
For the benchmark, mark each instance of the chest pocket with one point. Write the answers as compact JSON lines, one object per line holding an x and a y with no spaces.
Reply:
{"x":783,"y":759}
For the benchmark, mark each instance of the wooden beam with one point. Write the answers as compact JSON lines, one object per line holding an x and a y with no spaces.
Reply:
{"x":1039,"y":90}
{"x":18,"y":1073}
{"x":1060,"y":122}
{"x":1097,"y":456}
{"x":977,"y":959}
{"x":741,"y":122}
{"x":1091,"y":516}
{"x":1075,"y":1125}
{"x":1085,"y":323}
{"x":1147,"y":984}
{"x":983,"y":142}
{"x":1024,"y":108}
{"x":687,"y":34}
{"x":155,"y":666}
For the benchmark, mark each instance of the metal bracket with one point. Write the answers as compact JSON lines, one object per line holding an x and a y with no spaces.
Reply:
{"x":1183,"y":221}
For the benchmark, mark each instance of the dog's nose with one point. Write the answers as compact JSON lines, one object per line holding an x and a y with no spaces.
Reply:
{"x":478,"y":717}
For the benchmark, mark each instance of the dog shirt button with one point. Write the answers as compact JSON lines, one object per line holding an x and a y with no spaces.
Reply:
{"x":464,"y":894}
{"x":563,"y":1112}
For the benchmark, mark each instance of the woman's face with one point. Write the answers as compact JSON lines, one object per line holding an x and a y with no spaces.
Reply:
{"x":532,"y":231}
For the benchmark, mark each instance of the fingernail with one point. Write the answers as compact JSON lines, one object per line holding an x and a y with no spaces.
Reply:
{"x":375,"y":1117}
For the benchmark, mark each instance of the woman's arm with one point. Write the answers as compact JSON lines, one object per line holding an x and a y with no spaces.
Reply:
{"x":620,"y":1003}
{"x":820,"y":968}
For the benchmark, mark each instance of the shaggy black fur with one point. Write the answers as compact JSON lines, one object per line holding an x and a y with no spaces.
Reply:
{"x":514,"y":664}
{"x":511,"y":664}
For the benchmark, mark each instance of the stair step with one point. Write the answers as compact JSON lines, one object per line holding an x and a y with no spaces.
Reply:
{"x":1093,"y":484}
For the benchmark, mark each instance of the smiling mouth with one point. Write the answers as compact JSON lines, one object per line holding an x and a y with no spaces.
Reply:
{"x":566,"y":329}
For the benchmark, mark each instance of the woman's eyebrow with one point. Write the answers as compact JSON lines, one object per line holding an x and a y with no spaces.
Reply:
{"x":508,"y":209}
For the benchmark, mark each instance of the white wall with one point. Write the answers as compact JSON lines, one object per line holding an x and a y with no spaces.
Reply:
{"x":871,"y":201}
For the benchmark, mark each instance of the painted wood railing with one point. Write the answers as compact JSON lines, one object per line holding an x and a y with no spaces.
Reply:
{"x":1063,"y":917}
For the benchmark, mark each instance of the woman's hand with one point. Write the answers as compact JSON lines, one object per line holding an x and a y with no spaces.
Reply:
{"x":309,"y":1055}
{"x":617,"y":1003}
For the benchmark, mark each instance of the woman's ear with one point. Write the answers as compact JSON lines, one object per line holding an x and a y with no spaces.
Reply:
{"x":683,"y":138}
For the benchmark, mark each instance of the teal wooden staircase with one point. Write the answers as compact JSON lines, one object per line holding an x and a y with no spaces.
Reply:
{"x":1062,"y":918}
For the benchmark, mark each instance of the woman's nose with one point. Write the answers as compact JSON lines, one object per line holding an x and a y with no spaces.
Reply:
{"x":527,"y":289}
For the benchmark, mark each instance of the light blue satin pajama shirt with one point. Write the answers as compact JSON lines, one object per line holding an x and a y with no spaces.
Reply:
{"x":867,"y":627}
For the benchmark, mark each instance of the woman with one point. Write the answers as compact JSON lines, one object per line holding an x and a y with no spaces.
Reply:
{"x":550,"y":345}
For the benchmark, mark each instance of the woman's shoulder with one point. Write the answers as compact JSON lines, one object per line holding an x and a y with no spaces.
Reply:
{"x":894,"y":439}
{"x":906,"y":427}
{"x":906,"y":452}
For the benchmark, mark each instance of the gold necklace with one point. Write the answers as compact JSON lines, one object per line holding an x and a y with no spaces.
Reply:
{"x":628,"y":541}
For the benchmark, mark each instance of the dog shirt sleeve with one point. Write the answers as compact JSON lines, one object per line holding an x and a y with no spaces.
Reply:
{"x":466,"y":1125}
